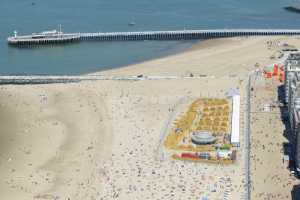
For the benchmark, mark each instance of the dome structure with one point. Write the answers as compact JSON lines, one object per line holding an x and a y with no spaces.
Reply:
{"x":201,"y":138}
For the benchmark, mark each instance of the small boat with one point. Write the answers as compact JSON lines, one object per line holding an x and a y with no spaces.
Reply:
{"x":132,"y":23}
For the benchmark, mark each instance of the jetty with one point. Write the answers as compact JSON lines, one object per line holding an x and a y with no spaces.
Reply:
{"x":57,"y":37}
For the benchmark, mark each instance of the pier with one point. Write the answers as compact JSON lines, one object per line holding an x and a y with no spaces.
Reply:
{"x":59,"y":37}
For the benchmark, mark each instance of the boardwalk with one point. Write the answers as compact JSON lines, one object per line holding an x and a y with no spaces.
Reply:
{"x":149,"y":35}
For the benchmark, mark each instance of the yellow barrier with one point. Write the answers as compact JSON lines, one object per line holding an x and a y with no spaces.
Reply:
{"x":214,"y":115}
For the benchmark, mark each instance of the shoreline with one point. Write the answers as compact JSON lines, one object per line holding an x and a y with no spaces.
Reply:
{"x":195,"y":59}
{"x":170,"y":52}
{"x":198,"y":44}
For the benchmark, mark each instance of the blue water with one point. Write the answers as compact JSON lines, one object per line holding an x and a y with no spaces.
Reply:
{"x":114,"y":15}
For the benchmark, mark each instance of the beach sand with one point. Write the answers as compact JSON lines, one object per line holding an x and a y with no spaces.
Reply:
{"x":100,"y":139}
{"x":217,"y":57}
{"x":270,"y":176}
{"x":50,"y":140}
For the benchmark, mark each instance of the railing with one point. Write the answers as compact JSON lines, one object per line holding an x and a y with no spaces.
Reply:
{"x":247,"y":141}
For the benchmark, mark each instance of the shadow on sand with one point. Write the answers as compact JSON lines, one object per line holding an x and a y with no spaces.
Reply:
{"x":296,"y":192}
{"x":289,"y":148}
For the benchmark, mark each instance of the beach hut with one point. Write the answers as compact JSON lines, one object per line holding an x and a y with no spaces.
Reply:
{"x":267,"y":107}
{"x":268,"y":74}
{"x":189,"y":155}
{"x":233,"y":155}
{"x":286,"y":160}
{"x":224,"y":154}
{"x":268,"y":71}
{"x":204,"y":155}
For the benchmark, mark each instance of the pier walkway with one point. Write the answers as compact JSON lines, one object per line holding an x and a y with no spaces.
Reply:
{"x":148,"y":35}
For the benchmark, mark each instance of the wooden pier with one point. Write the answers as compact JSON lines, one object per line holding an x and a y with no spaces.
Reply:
{"x":149,"y":35}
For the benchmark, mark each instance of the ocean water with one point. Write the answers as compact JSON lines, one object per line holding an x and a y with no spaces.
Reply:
{"x":114,"y":15}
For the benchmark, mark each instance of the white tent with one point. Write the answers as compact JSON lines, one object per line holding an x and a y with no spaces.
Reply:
{"x":235,"y":121}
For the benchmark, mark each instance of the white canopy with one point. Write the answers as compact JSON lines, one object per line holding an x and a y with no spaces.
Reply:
{"x":235,"y":121}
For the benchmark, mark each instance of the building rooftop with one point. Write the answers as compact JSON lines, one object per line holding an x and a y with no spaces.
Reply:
{"x":202,"y":137}
{"x":294,"y":56}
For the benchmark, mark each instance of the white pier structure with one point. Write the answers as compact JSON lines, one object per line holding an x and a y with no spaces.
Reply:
{"x":60,"y":37}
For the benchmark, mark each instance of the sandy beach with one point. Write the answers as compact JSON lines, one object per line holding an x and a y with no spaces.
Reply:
{"x":101,"y":139}
{"x":217,"y":57}
{"x":268,"y":144}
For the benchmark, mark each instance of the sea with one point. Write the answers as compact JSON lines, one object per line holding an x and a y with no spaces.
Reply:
{"x":29,"y":16}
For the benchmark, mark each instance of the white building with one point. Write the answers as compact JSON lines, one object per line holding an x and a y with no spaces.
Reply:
{"x":235,"y":121}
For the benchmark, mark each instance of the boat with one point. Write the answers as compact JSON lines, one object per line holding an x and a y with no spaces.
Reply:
{"x":132,"y":23}
{"x":45,"y":37}
{"x":47,"y":34}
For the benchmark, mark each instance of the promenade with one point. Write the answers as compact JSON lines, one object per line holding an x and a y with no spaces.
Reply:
{"x":69,"y":79}
{"x":270,"y":178}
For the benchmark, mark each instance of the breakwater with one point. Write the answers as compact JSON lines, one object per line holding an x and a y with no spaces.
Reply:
{"x":148,"y":35}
